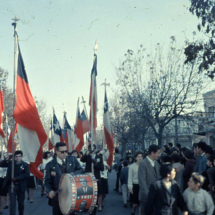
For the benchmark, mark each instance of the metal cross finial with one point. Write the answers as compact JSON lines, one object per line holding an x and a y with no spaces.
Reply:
{"x":105,"y":84}
{"x":64,"y":110}
{"x":83,"y":101}
{"x":15,"y":19}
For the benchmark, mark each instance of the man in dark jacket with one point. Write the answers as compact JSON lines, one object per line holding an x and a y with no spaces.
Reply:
{"x":21,"y":174}
{"x":54,"y":169}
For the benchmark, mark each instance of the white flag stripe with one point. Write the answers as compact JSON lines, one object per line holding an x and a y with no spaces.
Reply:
{"x":29,"y":143}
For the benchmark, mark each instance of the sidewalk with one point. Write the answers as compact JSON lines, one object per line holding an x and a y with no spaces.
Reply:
{"x":113,"y":204}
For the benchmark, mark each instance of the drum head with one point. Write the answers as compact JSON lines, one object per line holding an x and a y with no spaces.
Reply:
{"x":65,"y":194}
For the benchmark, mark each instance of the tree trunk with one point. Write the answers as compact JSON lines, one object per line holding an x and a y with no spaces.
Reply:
{"x":160,"y":136}
{"x":143,"y":141}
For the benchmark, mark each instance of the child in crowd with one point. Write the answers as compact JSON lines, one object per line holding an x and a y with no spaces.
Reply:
{"x":198,"y":200}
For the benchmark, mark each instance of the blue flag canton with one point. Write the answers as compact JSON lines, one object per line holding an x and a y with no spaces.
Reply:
{"x":66,"y":123}
{"x":106,"y":103}
{"x":21,"y":67}
{"x":83,"y":116}
{"x":94,"y":69}
{"x":56,"y":126}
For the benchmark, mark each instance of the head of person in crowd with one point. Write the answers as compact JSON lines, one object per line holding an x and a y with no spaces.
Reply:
{"x":6,"y":156}
{"x":61,"y":150}
{"x":178,"y":147}
{"x":210,"y":161}
{"x":138,"y":156}
{"x":166,"y":149}
{"x":195,"y":150}
{"x":170,"y":145}
{"x":116,"y":151}
{"x":196,"y":181}
{"x":75,"y":153}
{"x":201,"y":147}
{"x":46,"y":155}
{"x":209,"y":151}
{"x":175,"y":158}
{"x":125,"y":163}
{"x":154,"y":152}
{"x":165,"y":159}
{"x":130,"y":160}
{"x":18,"y":156}
{"x":188,"y":154}
{"x":121,"y":160}
{"x":167,"y":171}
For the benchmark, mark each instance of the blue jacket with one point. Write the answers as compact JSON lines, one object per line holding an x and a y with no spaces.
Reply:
{"x":202,"y":164}
{"x":124,"y":176}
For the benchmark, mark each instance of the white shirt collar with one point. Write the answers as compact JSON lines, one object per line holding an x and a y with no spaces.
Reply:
{"x":60,"y":161}
{"x":151,"y":161}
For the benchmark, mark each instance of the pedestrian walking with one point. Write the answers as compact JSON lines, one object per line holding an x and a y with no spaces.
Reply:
{"x":133,"y":184}
{"x":148,"y":173}
{"x":21,"y":174}
{"x":164,"y":197}
{"x":124,"y":182}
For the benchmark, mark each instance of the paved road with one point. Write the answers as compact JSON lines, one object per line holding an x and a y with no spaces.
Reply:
{"x":113,"y":204}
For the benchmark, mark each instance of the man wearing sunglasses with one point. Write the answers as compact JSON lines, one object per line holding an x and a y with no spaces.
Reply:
{"x":54,"y":169}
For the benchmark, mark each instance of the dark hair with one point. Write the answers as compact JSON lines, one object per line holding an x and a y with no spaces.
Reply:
{"x":211,"y":158}
{"x":170,"y":144}
{"x":18,"y":152}
{"x":74,"y":151}
{"x":165,"y":170}
{"x":166,"y":149}
{"x":116,"y":150}
{"x":175,"y":158}
{"x":81,"y":153}
{"x":45,"y":154}
{"x":209,"y":150}
{"x":189,"y":154}
{"x":121,"y":160}
{"x":128,"y":158}
{"x":138,"y":153}
{"x":202,"y":146}
{"x":178,"y":145}
{"x":153,"y":148}
{"x":125,"y":163}
{"x":195,"y":145}
{"x":59,"y":144}
{"x":166,"y":159}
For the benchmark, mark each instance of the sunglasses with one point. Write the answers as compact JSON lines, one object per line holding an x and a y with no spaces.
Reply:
{"x":65,"y":151}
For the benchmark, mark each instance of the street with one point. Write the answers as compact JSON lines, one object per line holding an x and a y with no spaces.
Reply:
{"x":113,"y":204}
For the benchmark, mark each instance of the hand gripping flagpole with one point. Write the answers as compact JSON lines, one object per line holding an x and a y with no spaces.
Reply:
{"x":14,"y":24}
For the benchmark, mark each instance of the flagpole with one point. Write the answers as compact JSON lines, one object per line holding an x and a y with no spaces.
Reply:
{"x":105,"y":86}
{"x":6,"y":132}
{"x":14,"y":24}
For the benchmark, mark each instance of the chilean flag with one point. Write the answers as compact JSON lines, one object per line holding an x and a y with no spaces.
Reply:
{"x":58,"y":135}
{"x":93,"y":94}
{"x":79,"y":130}
{"x":31,"y":133}
{"x":51,"y":138}
{"x":69,"y":134}
{"x":9,"y":144}
{"x":1,"y":112}
{"x":108,"y":133}
{"x":85,"y":122}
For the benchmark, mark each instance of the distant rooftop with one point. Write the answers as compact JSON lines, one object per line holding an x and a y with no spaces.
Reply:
{"x":209,"y":92}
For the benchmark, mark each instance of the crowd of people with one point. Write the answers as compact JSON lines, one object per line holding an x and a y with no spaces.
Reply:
{"x":168,"y":180}
{"x":159,"y":181}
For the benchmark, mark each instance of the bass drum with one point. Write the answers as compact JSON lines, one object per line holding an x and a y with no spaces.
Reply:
{"x":77,"y":193}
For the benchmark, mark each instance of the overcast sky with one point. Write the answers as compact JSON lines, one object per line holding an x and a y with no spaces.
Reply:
{"x":57,"y":38}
